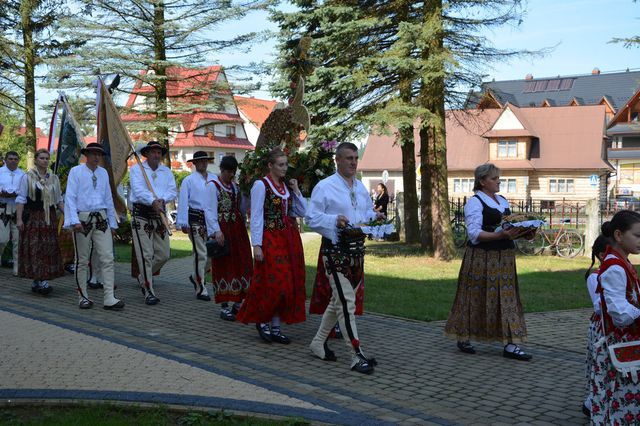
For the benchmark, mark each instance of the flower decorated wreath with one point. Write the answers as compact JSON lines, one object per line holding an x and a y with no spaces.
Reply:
{"x":286,"y":128}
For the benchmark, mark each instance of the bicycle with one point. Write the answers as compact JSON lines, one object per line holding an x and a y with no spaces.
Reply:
{"x":459,"y":229}
{"x":566,"y":243}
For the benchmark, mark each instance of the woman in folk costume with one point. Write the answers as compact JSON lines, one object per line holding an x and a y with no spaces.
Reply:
{"x":38,"y":196}
{"x":615,"y":397}
{"x":277,"y":291}
{"x":597,"y":252}
{"x":225,"y":222}
{"x":487,"y":303}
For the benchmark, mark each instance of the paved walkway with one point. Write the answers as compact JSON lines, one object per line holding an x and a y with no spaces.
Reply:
{"x":180,"y":352}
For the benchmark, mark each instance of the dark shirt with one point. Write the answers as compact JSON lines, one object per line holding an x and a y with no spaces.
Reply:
{"x":382,"y":201}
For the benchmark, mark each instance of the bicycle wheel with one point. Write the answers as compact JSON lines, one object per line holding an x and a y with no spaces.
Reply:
{"x":569,"y":244}
{"x":459,"y":234}
{"x":533,"y":246}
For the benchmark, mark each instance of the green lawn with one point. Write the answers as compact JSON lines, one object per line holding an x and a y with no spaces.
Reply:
{"x":401,"y":281}
{"x":111,"y":415}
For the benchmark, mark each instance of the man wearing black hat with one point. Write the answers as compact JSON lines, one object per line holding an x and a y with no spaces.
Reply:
{"x":90,"y":214}
{"x":149,"y":197}
{"x":191,"y":218}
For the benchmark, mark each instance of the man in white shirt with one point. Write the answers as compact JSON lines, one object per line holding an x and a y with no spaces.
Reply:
{"x":337,"y":203}
{"x":191,"y":219}
{"x":150,"y":234}
{"x":90,"y":214}
{"x":10,"y":176}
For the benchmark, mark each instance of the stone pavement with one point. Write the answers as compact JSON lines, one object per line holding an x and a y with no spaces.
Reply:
{"x":180,"y":353}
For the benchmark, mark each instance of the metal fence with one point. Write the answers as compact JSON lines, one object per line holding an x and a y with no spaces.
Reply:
{"x":556,"y":212}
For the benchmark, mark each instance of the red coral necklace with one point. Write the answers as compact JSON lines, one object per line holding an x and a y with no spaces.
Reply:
{"x":281,"y":190}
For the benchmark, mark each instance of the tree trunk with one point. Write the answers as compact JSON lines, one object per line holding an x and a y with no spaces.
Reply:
{"x":160,"y":68}
{"x":426,"y":229}
{"x":26,"y":10}
{"x":434,"y":133}
{"x":410,"y":219}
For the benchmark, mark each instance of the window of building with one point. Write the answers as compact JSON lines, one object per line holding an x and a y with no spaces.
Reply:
{"x":561,"y":185}
{"x":220,"y":157}
{"x":508,"y":185}
{"x":462,"y":185}
{"x":231,"y":131}
{"x":507,"y":149}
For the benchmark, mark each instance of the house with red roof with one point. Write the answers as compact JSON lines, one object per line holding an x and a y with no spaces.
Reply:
{"x":42,"y":140}
{"x":543,"y":153}
{"x":217,"y":129}
{"x":254,"y":112}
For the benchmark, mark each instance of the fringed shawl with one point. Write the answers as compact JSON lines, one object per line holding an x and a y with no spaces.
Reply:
{"x":49,"y":187}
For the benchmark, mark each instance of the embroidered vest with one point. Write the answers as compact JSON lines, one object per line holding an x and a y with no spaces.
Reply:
{"x":275,"y":209}
{"x":632,"y":293}
{"x":228,"y":204}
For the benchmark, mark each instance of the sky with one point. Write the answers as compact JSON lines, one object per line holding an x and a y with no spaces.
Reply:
{"x":578,"y":31}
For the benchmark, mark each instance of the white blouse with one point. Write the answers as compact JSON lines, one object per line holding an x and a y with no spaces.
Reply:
{"x":258,"y":193}
{"x":82,"y":196}
{"x":473,"y":213}
{"x":614,"y":287}
{"x":211,"y":203}
{"x":592,"y":285}
{"x":332,"y":197}
{"x":192,"y":195}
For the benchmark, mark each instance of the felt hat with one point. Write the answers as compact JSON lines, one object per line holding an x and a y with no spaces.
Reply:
{"x":93,"y":147}
{"x":153,"y":144}
{"x":201,"y":155}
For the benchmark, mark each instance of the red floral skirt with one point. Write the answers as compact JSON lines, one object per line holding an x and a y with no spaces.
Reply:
{"x":39,"y":252}
{"x":67,"y":251}
{"x":277,"y":287}
{"x":232,"y":274}
{"x":322,"y":291}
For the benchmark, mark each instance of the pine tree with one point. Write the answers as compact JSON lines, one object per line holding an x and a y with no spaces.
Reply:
{"x":30,"y":36}
{"x":142,"y":40}
{"x":398,"y":63}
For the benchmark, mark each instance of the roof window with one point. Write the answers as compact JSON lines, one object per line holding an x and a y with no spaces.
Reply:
{"x":553,"y":85}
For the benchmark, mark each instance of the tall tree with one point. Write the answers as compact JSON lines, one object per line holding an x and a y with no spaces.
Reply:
{"x":142,"y":40}
{"x":29,"y":37}
{"x":398,"y":63}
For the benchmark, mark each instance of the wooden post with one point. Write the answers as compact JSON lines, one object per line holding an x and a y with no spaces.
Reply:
{"x":400,"y":216}
{"x":592,"y":229}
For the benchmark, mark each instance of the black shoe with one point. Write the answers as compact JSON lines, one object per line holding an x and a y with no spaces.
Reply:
{"x":517,"y":353}
{"x":151,"y":300}
{"x":70,"y":268}
{"x":204,"y":297}
{"x":280,"y":338}
{"x":95,"y":286}
{"x":585,"y":410}
{"x":115,"y":307}
{"x":227,"y":314}
{"x":44,"y":288}
{"x":466,"y":347}
{"x":85,"y":304}
{"x":264,"y":332}
{"x":363,"y":365}
{"x":329,"y":355}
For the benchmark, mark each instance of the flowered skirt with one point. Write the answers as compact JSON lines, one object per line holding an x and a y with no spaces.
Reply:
{"x":39,"y":252}
{"x":615,"y":398}
{"x":487,"y":304}
{"x":592,"y":336}
{"x":232,"y":274}
{"x":277,"y":287}
{"x":322,"y":290}
{"x":67,"y":251}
